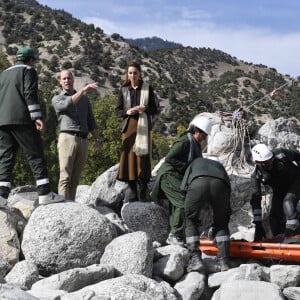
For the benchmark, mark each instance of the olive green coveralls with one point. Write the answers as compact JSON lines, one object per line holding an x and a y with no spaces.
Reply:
{"x":206,"y":181}
{"x":169,"y":178}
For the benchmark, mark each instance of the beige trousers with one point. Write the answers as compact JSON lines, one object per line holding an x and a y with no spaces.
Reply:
{"x":72,"y":153}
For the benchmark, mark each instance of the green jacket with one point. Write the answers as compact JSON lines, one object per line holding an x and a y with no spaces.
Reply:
{"x":19,"y":95}
{"x":176,"y":162}
{"x":204,"y":167}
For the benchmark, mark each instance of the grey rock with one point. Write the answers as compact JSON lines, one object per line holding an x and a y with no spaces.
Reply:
{"x":170,"y":249}
{"x":251,"y":272}
{"x":75,"y":279}
{"x":127,"y":287}
{"x":130,"y":253}
{"x":170,"y":268}
{"x":191,"y":286}
{"x":83,"y":194}
{"x":292,"y":293}
{"x":24,"y":189}
{"x":148,"y":217}
{"x":62,"y":236}
{"x":9,"y":240}
{"x":106,"y":190}
{"x":23,"y":275}
{"x":280,"y":133}
{"x":5,"y":267}
{"x":9,"y":292}
{"x":285,"y":275}
{"x":45,"y":294}
{"x":248,"y":290}
{"x":113,"y":217}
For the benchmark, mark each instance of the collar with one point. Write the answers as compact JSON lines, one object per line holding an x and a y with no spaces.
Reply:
{"x":64,"y":92}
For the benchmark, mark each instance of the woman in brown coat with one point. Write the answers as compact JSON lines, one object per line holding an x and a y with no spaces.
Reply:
{"x":136,"y":104}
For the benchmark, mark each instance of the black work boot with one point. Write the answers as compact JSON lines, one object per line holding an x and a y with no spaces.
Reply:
{"x":223,"y":245}
{"x":196,"y":263}
{"x":289,"y":232}
{"x":291,"y":229}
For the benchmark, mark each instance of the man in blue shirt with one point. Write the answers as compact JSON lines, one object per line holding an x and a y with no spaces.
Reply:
{"x":76,"y":120}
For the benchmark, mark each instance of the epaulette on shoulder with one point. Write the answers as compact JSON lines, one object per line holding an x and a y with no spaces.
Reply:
{"x":18,"y":66}
{"x":280,"y":155}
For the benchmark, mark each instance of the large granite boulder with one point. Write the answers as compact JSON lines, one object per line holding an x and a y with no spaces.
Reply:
{"x":67,"y":235}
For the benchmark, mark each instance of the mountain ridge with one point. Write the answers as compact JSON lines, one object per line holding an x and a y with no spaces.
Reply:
{"x":197,"y":79}
{"x":153,"y":43}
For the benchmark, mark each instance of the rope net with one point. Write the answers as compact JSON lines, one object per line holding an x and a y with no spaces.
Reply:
{"x":235,"y":153}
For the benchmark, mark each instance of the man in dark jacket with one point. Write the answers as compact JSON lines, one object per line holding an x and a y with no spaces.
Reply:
{"x":206,"y":181}
{"x":278,"y":169}
{"x":20,"y":123}
{"x":170,"y":174}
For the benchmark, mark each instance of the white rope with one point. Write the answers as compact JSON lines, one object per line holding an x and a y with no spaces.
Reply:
{"x":234,"y":153}
{"x":241,"y":134}
{"x":267,"y":95}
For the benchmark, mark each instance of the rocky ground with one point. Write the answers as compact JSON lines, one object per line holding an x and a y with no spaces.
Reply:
{"x":99,"y":248}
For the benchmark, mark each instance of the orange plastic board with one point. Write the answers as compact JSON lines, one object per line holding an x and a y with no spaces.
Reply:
{"x":257,"y":250}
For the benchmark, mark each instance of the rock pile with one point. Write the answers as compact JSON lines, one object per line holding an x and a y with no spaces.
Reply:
{"x":97,"y":248}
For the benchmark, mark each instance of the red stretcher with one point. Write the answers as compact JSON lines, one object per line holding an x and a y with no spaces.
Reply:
{"x":257,"y":250}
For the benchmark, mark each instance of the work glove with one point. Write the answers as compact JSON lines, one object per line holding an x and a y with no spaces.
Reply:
{"x":259,"y":232}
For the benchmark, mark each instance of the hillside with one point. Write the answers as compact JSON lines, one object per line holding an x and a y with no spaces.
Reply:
{"x":152,"y":43}
{"x":187,"y":80}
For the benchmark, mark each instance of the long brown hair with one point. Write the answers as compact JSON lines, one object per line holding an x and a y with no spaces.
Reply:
{"x":135,"y":65}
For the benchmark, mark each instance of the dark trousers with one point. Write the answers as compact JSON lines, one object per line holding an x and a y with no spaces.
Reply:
{"x":284,"y":207}
{"x":206,"y":190}
{"x":26,"y":137}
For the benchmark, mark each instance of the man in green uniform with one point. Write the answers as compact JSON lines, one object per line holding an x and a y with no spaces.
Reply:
{"x":20,"y":123}
{"x":206,"y":181}
{"x":170,"y":174}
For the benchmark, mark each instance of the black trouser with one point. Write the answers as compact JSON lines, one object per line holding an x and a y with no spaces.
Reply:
{"x":216,"y":192}
{"x":26,"y":137}
{"x":284,"y":208}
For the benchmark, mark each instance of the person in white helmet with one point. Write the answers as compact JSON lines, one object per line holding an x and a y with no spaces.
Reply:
{"x":279,"y":169}
{"x":171,"y":172}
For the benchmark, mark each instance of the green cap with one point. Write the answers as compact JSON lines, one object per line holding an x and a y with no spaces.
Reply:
{"x":25,"y":52}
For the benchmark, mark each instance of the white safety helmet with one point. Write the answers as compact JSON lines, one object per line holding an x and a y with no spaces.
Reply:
{"x":261,"y":152}
{"x":202,"y":123}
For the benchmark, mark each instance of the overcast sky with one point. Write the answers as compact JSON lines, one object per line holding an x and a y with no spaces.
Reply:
{"x":259,"y":31}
